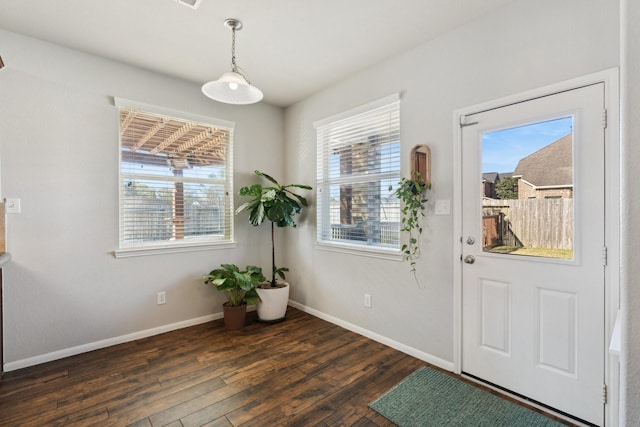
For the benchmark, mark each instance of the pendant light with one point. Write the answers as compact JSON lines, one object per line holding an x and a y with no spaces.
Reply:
{"x":233,"y":87}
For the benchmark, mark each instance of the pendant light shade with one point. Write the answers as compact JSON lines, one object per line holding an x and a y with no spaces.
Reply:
{"x":233,"y":87}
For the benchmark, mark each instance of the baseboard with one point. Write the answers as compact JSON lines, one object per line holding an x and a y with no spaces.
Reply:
{"x":72,"y":351}
{"x":60,"y":354}
{"x":429,"y":358}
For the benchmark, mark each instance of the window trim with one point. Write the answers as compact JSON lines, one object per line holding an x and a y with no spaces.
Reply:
{"x":189,"y":245}
{"x":342,"y":246}
{"x":358,"y":110}
{"x":170,"y":249}
{"x":362,"y":250}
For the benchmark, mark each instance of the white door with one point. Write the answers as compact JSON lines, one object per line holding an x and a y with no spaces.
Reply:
{"x":533,"y":270}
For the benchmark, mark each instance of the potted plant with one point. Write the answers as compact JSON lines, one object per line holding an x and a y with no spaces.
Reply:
{"x":411,"y":193}
{"x":278,"y":204}
{"x":239,"y":287}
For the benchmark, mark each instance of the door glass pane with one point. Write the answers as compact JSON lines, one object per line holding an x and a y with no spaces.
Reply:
{"x":527,"y":190}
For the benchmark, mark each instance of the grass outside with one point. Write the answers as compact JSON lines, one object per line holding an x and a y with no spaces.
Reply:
{"x":539,"y":252}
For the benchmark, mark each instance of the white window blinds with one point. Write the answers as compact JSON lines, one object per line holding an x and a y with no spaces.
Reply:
{"x":358,"y":171}
{"x":175,"y":181}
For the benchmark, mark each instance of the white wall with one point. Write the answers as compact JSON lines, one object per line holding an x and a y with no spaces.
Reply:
{"x":520,"y":47}
{"x":59,"y":144}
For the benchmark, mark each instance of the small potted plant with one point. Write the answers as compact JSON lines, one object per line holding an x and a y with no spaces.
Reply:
{"x":239,"y":287}
{"x":278,"y":204}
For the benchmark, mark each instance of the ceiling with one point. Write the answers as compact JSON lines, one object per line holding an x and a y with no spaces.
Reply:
{"x":288,"y":48}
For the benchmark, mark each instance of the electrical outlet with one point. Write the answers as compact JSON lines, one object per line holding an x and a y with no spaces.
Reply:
{"x":162,"y":298}
{"x":367,"y":300}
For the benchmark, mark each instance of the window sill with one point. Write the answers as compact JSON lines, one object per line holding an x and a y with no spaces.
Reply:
{"x":170,"y":249}
{"x":345,"y":248}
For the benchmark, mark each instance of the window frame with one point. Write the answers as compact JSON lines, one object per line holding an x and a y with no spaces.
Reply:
{"x":324,"y":181}
{"x":186,"y":245}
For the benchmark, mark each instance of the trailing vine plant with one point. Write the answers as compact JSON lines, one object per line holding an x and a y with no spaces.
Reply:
{"x":411,"y":193}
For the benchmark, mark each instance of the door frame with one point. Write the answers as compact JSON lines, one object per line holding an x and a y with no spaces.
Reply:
{"x":612,"y":160}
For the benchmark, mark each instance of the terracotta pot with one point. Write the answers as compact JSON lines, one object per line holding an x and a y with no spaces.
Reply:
{"x":273,"y":303}
{"x":234,"y":316}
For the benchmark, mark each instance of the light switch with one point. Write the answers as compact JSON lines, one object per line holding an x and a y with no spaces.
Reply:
{"x":13,"y":206}
{"x":443,"y":207}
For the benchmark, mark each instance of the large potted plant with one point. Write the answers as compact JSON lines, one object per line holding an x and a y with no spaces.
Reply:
{"x":278,"y":204}
{"x":239,"y":287}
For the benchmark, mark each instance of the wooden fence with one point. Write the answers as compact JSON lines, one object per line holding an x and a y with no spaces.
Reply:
{"x":152,"y":220}
{"x":532,"y":223}
{"x":385,"y":232}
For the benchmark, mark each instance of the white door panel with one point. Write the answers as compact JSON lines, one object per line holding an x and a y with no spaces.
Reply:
{"x":535,"y":324}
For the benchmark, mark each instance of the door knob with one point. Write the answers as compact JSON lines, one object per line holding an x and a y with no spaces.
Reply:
{"x":469,"y":259}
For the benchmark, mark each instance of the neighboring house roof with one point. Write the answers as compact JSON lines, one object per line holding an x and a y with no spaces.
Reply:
{"x":494,"y":177}
{"x":491,"y":177}
{"x":550,"y":166}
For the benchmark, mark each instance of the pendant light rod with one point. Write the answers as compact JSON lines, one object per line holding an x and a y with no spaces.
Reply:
{"x":235,"y":25}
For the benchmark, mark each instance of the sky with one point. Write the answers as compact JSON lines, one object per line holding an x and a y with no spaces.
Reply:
{"x":503,"y":149}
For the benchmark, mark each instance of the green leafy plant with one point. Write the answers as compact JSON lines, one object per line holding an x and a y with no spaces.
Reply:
{"x":411,"y":193}
{"x":238,"y":286}
{"x":279,"y":205}
{"x":507,"y":188}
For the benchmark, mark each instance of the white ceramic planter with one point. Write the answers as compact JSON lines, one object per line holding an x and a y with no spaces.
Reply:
{"x":273,"y":304}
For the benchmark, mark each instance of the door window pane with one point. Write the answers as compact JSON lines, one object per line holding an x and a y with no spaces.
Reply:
{"x":527,"y":190}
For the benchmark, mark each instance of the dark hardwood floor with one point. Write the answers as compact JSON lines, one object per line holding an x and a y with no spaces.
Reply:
{"x":301,"y":372}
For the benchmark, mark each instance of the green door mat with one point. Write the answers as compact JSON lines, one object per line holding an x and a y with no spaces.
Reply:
{"x":430,"y":398}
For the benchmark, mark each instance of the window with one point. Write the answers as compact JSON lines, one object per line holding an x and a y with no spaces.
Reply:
{"x":175,"y":181}
{"x":358,"y":171}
